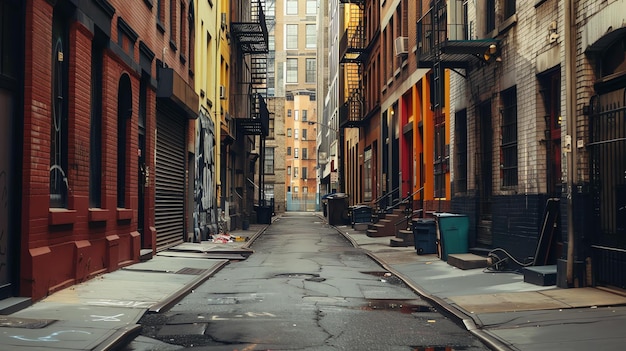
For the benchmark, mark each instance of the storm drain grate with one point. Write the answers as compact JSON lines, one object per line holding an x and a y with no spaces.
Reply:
{"x":191,"y":271}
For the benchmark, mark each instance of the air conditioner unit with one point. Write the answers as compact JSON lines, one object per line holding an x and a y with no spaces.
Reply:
{"x":222,"y":92}
{"x":401,"y":46}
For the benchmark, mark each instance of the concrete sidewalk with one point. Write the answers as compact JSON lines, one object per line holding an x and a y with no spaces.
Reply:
{"x":500,"y":308}
{"x":102,"y":313}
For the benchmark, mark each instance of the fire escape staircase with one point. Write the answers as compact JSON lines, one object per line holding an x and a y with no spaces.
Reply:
{"x":252,"y":37}
{"x":352,"y":53}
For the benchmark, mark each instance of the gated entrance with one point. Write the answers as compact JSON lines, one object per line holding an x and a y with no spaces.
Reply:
{"x":608,"y":179}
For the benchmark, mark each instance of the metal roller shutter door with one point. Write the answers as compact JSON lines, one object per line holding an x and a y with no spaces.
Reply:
{"x":169,"y":209}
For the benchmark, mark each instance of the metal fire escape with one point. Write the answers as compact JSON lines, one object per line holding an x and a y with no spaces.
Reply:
{"x":251,"y":35}
{"x":442,"y":44}
{"x":352,"y":55}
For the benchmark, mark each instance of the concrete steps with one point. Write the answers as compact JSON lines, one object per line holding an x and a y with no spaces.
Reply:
{"x":467,"y":261}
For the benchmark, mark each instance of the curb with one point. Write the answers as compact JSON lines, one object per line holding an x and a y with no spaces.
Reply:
{"x":455,"y":314}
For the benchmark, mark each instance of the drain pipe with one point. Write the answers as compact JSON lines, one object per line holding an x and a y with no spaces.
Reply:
{"x":570,"y":138}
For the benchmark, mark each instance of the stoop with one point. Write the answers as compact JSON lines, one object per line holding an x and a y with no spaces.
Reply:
{"x":467,"y":261}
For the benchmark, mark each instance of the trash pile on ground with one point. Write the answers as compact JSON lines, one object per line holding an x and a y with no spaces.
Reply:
{"x":227,"y":238}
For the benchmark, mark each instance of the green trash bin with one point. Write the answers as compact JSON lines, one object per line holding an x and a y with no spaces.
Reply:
{"x":453,"y":233}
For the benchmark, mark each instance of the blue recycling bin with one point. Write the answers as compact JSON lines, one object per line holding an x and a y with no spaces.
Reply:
{"x":425,"y":236}
{"x":453,"y":233}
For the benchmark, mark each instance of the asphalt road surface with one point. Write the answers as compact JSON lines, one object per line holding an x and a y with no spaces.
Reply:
{"x":304,"y":288}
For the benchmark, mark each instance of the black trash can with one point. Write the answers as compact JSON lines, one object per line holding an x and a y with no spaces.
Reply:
{"x":263,"y":214}
{"x":425,"y":236}
{"x":338,"y":209}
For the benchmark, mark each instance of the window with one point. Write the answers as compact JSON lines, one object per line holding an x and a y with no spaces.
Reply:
{"x":183,"y":32}
{"x":303,"y":134}
{"x":295,"y":134}
{"x":490,"y":16}
{"x":311,"y":7}
{"x":269,"y":161}
{"x":460,"y":160}
{"x":59,"y":125}
{"x":271,"y":131}
{"x":291,"y":40}
{"x":289,"y":113}
{"x":311,"y":70}
{"x":289,"y":132}
{"x":288,"y":170}
{"x":304,"y":115}
{"x":292,"y":7}
{"x":289,"y":150}
{"x":292,"y":70}
{"x":173,"y":34}
{"x":124,"y":114}
{"x":295,"y":175}
{"x":304,"y":153}
{"x":295,"y":152}
{"x":311,"y":36}
{"x":304,"y":173}
{"x":508,"y":148}
{"x":509,"y":8}
{"x":296,"y":116}
{"x":95,"y":123}
{"x":305,"y":189}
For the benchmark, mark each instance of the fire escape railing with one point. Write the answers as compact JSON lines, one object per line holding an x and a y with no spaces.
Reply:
{"x":352,"y":51}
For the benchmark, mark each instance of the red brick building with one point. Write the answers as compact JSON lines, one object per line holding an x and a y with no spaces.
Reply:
{"x":85,"y":88}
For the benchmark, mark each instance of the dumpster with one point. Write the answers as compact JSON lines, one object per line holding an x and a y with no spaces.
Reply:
{"x":453,"y":233}
{"x":361,"y":214}
{"x":338,"y":209}
{"x":425,"y":236}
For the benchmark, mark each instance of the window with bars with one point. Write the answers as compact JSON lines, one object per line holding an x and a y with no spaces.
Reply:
{"x":508,"y":146}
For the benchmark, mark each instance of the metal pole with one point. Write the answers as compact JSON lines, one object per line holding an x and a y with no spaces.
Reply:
{"x":570,"y":148}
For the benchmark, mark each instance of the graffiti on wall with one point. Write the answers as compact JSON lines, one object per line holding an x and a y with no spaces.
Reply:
{"x":205,"y":191}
